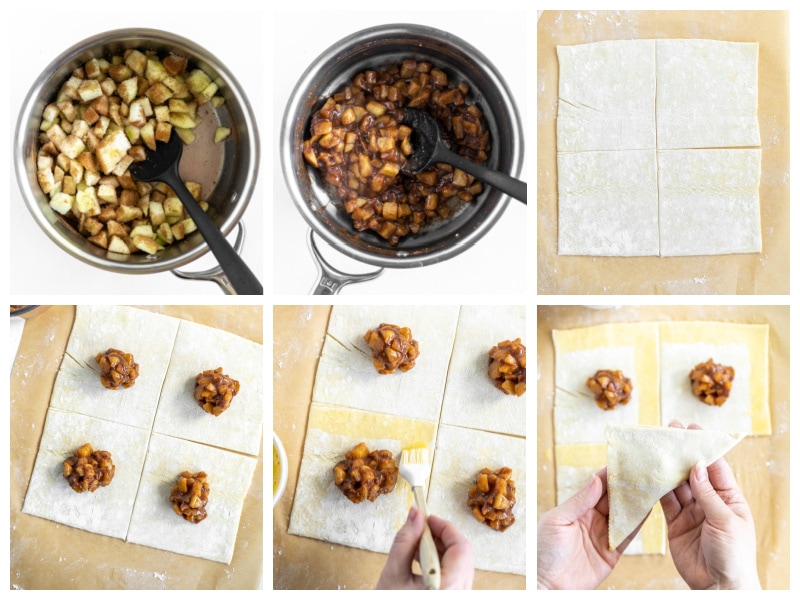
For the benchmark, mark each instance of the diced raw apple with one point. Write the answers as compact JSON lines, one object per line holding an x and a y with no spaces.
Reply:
{"x":173,"y":207}
{"x":144,"y":230}
{"x":118,"y":245}
{"x":107,"y":193}
{"x":136,"y":116}
{"x":157,"y":215}
{"x":221,"y":134}
{"x":67,"y":110}
{"x":207,"y":93}
{"x":89,"y":89}
{"x":50,"y":112}
{"x":69,"y":185}
{"x":197,"y":81}
{"x":148,"y":135}
{"x":111,"y":149}
{"x":145,"y":244}
{"x":92,"y":68}
{"x":188,"y":226}
{"x":161,"y":113}
{"x":47,"y":180}
{"x":123,"y":164}
{"x":128,"y":213}
{"x":101,"y":239}
{"x":86,"y":200}
{"x":62,"y":203}
{"x":108,"y":86}
{"x":182,"y":120}
{"x":195,"y":189}
{"x":217,"y":101}
{"x":163,"y":132}
{"x":187,"y":135}
{"x":174,"y":64}
{"x":155,"y":70}
{"x":91,"y":177}
{"x":127,"y":89}
{"x":158,"y":93}
{"x":137,"y":61}
{"x":165,"y":233}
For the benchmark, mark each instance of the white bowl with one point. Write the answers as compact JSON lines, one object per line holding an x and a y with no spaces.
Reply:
{"x":283,"y":468}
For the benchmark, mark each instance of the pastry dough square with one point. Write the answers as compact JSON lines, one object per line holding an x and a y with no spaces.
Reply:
{"x":346,"y":376}
{"x":198,"y":348}
{"x":744,"y":347}
{"x":154,"y":522}
{"x":470,"y":397}
{"x":107,"y":510}
{"x":148,"y":336}
{"x":709,"y":201}
{"x":320,"y":509}
{"x":574,"y":467}
{"x":460,"y":455}
{"x":707,"y":94}
{"x":629,"y":347}
{"x":608,"y":203}
{"x":606,"y":96}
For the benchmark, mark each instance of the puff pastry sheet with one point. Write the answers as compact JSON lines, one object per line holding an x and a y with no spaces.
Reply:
{"x":470,"y":397}
{"x":460,"y":455}
{"x":170,"y":353}
{"x":708,"y":201}
{"x":621,"y":98}
{"x":320,"y":509}
{"x":346,"y":376}
{"x":707,"y":94}
{"x":605,"y":96}
{"x":644,"y":463}
{"x":154,"y":522}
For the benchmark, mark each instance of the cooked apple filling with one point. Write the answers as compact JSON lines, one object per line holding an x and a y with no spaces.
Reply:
{"x":712,"y":382}
{"x":214,"y":391}
{"x":117,"y":369}
{"x":493,"y":497}
{"x":359,"y":142}
{"x":190,"y":495}
{"x":392,"y":348}
{"x":365,"y":475}
{"x":88,"y":469}
{"x":610,"y":388}
{"x":507,"y":367}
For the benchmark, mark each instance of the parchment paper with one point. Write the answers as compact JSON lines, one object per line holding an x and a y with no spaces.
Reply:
{"x":48,"y":555}
{"x":764,"y":273}
{"x":760,"y":464}
{"x":304,"y":563}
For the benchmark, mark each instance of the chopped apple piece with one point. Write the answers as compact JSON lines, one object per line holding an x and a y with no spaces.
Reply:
{"x":221,"y":134}
{"x":111,"y":149}
{"x":187,"y":135}
{"x":145,"y":244}
{"x":148,"y":135}
{"x":163,"y":132}
{"x":100,"y":239}
{"x":195,"y":189}
{"x":118,"y":245}
{"x":197,"y":81}
{"x":173,"y":207}
{"x":62,"y":203}
{"x":89,"y":89}
{"x":86,"y":200}
{"x":137,"y":61}
{"x":156,"y":213}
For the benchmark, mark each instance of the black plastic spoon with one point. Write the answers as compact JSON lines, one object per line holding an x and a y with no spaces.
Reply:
{"x":162,"y":165}
{"x":429,"y":148}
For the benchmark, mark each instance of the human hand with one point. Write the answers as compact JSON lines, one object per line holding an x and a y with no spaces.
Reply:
{"x":455,"y":555}
{"x":573,"y":540}
{"x":710,"y":529}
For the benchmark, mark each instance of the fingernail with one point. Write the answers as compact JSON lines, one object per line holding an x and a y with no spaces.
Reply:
{"x":700,"y":472}
{"x":412,"y":514}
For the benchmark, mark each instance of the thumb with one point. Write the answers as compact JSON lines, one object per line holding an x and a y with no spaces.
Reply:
{"x":583,"y":500}
{"x":706,"y":496}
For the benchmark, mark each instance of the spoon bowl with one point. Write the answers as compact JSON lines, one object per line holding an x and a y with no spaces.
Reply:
{"x":426,"y":139}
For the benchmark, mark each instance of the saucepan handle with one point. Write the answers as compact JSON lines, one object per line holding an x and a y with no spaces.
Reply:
{"x":216,"y":274}
{"x":331,"y":280}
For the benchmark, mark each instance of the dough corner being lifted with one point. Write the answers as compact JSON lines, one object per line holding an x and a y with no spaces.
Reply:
{"x":644,"y":463}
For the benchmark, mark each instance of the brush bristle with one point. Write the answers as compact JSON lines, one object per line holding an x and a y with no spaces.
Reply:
{"x":415,"y":456}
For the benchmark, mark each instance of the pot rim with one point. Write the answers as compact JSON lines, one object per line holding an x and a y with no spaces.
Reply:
{"x":291,"y":159}
{"x":25,"y":163}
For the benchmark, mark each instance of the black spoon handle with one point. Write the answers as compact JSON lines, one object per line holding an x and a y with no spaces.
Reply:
{"x":505,"y":183}
{"x":239,"y":274}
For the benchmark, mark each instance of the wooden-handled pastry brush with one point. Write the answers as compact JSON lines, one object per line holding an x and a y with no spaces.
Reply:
{"x":414,"y":468}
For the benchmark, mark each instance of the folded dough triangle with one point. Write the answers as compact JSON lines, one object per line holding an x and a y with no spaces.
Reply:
{"x":644,"y":463}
